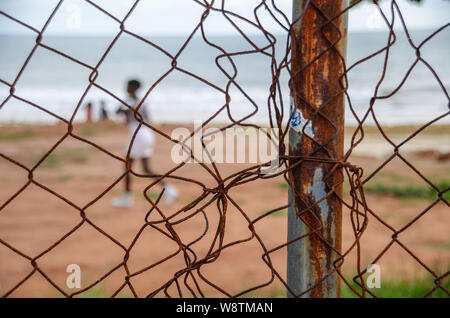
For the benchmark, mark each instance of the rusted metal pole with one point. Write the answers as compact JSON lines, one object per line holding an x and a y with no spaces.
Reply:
{"x":317,"y":133}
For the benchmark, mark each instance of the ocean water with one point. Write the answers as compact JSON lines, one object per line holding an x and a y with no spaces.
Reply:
{"x":57,"y":83}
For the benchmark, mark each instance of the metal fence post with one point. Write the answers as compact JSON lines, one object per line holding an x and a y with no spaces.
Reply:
{"x":316,"y":140}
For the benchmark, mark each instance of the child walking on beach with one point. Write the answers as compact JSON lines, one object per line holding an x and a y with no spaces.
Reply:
{"x":142,"y":148}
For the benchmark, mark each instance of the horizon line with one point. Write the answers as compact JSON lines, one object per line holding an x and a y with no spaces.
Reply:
{"x":103,"y":34}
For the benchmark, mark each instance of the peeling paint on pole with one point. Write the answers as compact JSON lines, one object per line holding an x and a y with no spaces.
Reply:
{"x":315,"y":210}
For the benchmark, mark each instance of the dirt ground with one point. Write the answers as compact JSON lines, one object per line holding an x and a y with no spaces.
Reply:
{"x":36,"y":219}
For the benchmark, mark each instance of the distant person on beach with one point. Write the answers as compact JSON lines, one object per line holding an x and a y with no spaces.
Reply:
{"x":89,"y":112}
{"x":103,"y":112}
{"x":142,"y":147}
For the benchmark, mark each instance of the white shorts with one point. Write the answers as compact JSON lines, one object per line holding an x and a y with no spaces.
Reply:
{"x":142,"y":145}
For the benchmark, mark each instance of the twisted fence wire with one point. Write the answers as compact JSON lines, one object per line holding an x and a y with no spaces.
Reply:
{"x":189,"y":277}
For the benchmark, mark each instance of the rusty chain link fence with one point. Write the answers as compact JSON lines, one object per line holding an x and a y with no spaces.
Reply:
{"x":327,"y":33}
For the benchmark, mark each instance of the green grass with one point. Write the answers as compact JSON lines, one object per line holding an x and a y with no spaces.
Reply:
{"x":98,"y":291}
{"x":416,"y":288}
{"x":153,"y":195}
{"x":392,"y":184}
{"x":58,"y":157}
{"x":283,"y":185}
{"x":274,"y":292}
{"x":64,"y":177}
{"x":51,"y":161}
{"x":74,"y":155}
{"x":278,"y":213}
{"x":443,"y":246}
{"x":89,"y":131}
{"x":402,"y":190}
{"x":27,"y":132}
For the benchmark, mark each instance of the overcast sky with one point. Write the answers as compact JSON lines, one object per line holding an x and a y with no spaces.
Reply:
{"x":173,"y":17}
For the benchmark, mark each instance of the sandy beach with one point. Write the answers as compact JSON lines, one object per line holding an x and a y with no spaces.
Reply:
{"x":36,"y":219}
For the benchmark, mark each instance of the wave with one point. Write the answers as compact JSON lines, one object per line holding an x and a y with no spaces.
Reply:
{"x":182,"y":104}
